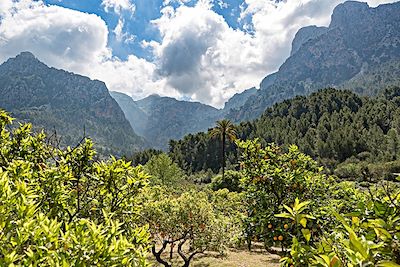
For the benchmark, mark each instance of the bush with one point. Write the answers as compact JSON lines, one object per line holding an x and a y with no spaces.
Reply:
{"x":230,"y":181}
{"x":61,"y":208}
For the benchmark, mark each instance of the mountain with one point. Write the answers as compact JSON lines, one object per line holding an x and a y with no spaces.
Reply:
{"x":70,"y":104}
{"x":239,"y":99}
{"x":355,"y":51}
{"x":160,"y":119}
{"x":133,"y":113}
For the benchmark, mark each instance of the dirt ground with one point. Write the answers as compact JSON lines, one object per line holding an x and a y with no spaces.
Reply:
{"x":233,"y":258}
{"x":238,"y":258}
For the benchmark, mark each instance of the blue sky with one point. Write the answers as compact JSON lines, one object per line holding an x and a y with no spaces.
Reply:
{"x":202,"y":50}
{"x":139,"y":23}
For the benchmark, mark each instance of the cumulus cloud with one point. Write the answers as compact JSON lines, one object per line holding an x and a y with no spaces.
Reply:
{"x":118,"y":6}
{"x":74,"y":41}
{"x":59,"y":36}
{"x":203,"y":57}
{"x":199,"y":56}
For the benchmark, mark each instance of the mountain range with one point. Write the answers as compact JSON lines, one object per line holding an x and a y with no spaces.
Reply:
{"x":359,"y":51}
{"x":160,"y":119}
{"x":71,"y":105}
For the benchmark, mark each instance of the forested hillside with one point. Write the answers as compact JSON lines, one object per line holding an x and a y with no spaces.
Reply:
{"x":333,"y":126}
{"x":71,"y":105}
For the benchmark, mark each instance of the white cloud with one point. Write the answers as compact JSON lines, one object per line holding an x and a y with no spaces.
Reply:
{"x":118,"y":6}
{"x":76,"y":42}
{"x":61,"y":37}
{"x":120,"y":35}
{"x":199,"y":55}
{"x":205,"y":59}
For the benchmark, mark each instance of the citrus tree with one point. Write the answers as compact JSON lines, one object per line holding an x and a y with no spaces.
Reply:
{"x":273,"y":179}
{"x":61,"y":207}
{"x":187,"y":224}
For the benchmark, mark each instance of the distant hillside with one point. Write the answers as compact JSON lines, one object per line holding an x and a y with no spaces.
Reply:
{"x":68,"y":103}
{"x":160,"y":119}
{"x":359,"y":50}
{"x":239,"y":99}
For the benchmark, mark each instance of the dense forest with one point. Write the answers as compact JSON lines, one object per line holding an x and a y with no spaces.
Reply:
{"x":346,"y":133}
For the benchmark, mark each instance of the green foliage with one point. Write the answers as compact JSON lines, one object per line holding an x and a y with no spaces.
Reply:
{"x":142,"y":157}
{"x":230,"y":181}
{"x":272,"y":180}
{"x":164,"y":171}
{"x":60,"y":207}
{"x":190,"y":223}
{"x":367,"y":236}
{"x":195,"y":153}
{"x":331,"y":126}
{"x":300,"y":233}
{"x":338,"y":224}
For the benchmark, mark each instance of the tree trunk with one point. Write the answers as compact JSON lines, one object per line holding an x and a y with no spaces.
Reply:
{"x":171,"y":251}
{"x":223,"y":156}
{"x":157,"y":255}
{"x":185,"y":259}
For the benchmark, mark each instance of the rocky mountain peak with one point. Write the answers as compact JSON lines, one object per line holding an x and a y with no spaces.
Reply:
{"x":348,"y":12}
{"x":26,"y":55}
{"x":306,"y":34}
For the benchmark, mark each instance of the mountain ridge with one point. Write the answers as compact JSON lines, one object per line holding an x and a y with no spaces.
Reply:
{"x":358,"y":38}
{"x":161,"y":119}
{"x":71,"y":104}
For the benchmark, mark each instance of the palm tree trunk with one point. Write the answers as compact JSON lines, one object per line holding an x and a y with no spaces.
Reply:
{"x":223,"y":156}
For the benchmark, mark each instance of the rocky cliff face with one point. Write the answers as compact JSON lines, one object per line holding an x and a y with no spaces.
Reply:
{"x":358,"y":39}
{"x":306,"y":34}
{"x":239,"y":99}
{"x":71,"y":104}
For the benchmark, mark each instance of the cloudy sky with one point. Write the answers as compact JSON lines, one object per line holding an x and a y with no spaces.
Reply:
{"x":202,"y":50}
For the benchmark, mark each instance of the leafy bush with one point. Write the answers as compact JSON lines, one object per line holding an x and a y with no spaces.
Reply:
{"x":230,"y":181}
{"x":60,"y":207}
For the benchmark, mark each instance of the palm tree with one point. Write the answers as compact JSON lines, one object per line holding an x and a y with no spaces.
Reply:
{"x":224,"y":129}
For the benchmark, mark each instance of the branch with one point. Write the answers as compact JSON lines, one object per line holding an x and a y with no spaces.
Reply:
{"x":183,"y":256}
{"x":158,"y":254}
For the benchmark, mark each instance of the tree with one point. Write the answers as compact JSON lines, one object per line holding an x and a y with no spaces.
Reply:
{"x":59,"y":207}
{"x":271,"y":180}
{"x":190,"y":223}
{"x":164,"y":171}
{"x":224,"y":129}
{"x":231,"y":181}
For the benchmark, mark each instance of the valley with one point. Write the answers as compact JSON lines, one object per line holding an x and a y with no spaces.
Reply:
{"x":301,"y":170}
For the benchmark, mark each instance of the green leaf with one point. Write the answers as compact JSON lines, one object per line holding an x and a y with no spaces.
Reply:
{"x":306,"y":234}
{"x":323,"y":260}
{"x":289,"y":210}
{"x":303,"y":222}
{"x":358,"y":245}
{"x":284,"y":215}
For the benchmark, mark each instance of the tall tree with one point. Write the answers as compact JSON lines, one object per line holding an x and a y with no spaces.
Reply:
{"x":224,"y":129}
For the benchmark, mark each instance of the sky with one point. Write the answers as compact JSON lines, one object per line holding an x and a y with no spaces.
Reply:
{"x":198,"y":50}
